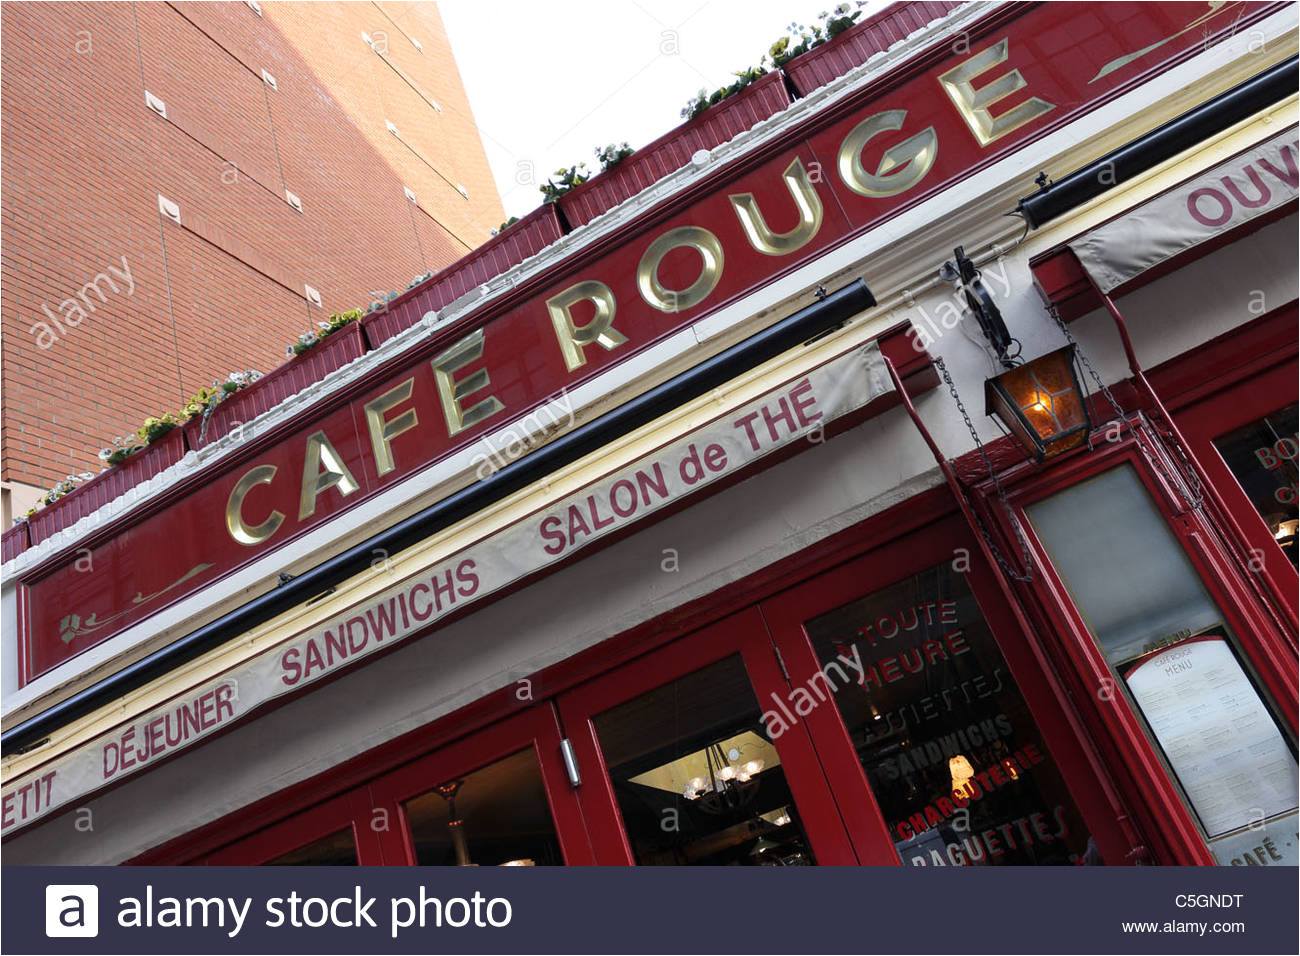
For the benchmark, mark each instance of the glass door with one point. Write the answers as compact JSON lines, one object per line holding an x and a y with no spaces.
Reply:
{"x":498,"y":797}
{"x":685,"y":762}
{"x":942,"y":744}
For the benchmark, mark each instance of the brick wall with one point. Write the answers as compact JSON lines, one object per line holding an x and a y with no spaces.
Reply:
{"x":85,"y":160}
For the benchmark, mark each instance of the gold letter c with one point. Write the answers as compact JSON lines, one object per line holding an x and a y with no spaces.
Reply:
{"x":261,"y":475}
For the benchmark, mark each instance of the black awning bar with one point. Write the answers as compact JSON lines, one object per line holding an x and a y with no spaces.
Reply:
{"x":1162,"y":143}
{"x":827,"y":313}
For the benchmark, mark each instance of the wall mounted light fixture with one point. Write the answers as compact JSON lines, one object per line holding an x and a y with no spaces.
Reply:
{"x":1040,"y":403}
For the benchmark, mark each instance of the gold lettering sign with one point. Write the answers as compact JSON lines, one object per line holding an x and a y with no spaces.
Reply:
{"x":806,"y":201}
{"x":315,"y":480}
{"x":599,"y":330}
{"x":670,"y":300}
{"x":383,"y":431}
{"x":451,"y":392}
{"x":973,"y":104}
{"x":241,"y":532}
{"x":903,"y":165}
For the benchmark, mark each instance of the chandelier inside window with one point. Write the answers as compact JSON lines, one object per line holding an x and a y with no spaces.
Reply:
{"x":730,"y":785}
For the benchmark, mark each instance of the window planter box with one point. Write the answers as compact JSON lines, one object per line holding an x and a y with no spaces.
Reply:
{"x":862,"y":41}
{"x":293,"y":376}
{"x":107,"y":486}
{"x":529,"y":236}
{"x":763,"y":98}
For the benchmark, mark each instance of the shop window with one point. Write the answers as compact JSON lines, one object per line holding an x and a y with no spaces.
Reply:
{"x":696,"y":779}
{"x":496,"y":816}
{"x":1262,"y":457}
{"x":950,"y":750}
{"x":336,"y":849}
{"x":1176,"y":662}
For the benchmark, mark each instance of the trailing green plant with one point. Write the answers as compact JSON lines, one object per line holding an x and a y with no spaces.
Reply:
{"x":505,"y":225}
{"x":327,"y":327}
{"x":422,"y":277}
{"x":206,"y":399}
{"x":702,"y":100}
{"x":801,"y":39}
{"x":570,"y":178}
{"x":611,"y":155}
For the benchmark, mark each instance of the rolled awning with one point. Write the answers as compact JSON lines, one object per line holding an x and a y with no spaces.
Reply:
{"x":1232,"y":194}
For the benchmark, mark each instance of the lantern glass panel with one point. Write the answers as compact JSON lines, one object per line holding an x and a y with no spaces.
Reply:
{"x":1042,"y":404}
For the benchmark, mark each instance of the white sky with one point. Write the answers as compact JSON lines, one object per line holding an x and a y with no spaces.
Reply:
{"x":549,"y":82}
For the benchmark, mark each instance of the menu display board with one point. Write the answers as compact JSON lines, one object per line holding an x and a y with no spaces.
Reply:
{"x":1218,"y":736}
{"x":1275,"y":843}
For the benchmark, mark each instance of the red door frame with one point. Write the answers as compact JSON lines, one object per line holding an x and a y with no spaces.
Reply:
{"x":348,"y":811}
{"x":745,"y":634}
{"x":536,"y":728}
{"x":1149,"y":789}
{"x":887,"y":564}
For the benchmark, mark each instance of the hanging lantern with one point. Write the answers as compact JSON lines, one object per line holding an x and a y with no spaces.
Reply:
{"x":1042,"y":404}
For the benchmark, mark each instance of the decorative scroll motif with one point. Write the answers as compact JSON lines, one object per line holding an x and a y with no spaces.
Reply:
{"x":1216,"y":7}
{"x":73,"y":627}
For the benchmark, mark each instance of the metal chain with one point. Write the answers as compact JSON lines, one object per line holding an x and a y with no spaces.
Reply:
{"x":1083,"y":360}
{"x":1027,"y":574}
{"x":1195,"y":493}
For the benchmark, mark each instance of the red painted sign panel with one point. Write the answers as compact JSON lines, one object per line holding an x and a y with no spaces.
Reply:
{"x":952,"y":110}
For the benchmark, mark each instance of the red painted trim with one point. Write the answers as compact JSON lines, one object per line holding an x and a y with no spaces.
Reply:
{"x":1264,"y":381}
{"x":537,"y":728}
{"x":295,"y":832}
{"x":1062,"y":282}
{"x":1230,"y":359}
{"x":14,"y":541}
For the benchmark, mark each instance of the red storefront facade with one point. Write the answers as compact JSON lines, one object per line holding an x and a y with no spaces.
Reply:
{"x":758,"y":625}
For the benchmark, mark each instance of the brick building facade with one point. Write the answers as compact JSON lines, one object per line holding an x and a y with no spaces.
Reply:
{"x":154,"y":158}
